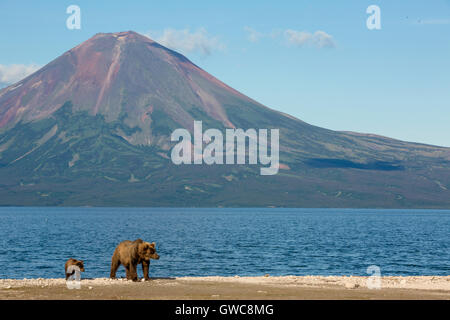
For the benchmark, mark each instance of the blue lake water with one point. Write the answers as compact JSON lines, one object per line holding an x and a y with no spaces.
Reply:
{"x":35,"y":242}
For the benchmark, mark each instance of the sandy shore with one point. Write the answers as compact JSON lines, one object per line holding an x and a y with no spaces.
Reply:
{"x":267,"y":287}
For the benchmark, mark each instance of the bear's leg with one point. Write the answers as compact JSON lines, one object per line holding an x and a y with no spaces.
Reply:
{"x":127,"y":271}
{"x":133,"y":272}
{"x":115,"y":263}
{"x":145,"y":267}
{"x":70,"y":274}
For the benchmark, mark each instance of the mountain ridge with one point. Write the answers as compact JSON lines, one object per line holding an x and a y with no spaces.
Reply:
{"x":93,"y":126}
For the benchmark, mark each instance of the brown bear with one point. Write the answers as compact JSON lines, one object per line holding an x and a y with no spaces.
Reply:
{"x":130,"y":254}
{"x":73,"y":262}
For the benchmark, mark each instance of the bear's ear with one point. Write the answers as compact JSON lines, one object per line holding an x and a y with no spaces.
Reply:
{"x":152,"y":244}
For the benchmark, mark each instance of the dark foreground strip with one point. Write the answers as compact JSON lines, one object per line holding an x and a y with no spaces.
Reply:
{"x":228,"y":309}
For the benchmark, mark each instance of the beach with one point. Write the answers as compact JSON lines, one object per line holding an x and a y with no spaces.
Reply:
{"x":231,"y":288}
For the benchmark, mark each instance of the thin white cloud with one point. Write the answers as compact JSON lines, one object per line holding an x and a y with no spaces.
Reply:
{"x":253,"y":35}
{"x":319,"y":39}
{"x":298,"y":38}
{"x":13,"y":73}
{"x":186,"y":41}
{"x":276,"y":33}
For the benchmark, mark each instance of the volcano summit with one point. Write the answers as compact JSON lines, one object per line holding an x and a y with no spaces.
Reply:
{"x":93,"y":127}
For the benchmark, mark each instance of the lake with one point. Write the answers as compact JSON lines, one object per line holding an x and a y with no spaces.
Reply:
{"x":36,"y":242}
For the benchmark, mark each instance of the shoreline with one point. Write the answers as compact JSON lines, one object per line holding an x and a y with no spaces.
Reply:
{"x":226,"y":288}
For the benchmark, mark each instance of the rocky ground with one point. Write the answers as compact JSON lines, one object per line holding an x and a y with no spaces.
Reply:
{"x":265,"y":287}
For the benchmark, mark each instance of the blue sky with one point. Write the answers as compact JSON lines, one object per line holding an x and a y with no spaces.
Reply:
{"x":315,"y":60}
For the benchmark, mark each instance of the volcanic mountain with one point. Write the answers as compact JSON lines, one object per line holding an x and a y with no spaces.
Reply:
{"x":93,"y":128}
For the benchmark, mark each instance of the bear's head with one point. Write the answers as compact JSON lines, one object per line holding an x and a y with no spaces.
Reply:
{"x":80,"y":264}
{"x":147,"y":251}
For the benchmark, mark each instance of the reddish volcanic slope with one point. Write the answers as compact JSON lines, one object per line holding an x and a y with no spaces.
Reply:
{"x":114,"y":73}
{"x":93,"y":127}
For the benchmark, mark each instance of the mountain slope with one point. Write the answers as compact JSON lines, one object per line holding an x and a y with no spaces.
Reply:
{"x":93,"y":128}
